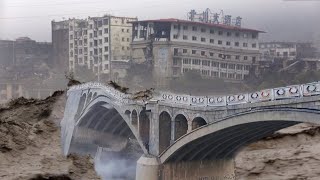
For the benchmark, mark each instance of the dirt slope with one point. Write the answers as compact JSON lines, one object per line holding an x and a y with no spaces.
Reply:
{"x":291,"y":154}
{"x":30,"y":143}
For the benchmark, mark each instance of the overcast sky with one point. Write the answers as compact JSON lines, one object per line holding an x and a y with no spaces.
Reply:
{"x":296,"y":20}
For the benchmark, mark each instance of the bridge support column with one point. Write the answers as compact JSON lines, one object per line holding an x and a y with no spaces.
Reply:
{"x":148,"y":168}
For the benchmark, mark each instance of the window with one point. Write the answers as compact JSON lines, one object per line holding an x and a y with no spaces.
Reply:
{"x":220,"y":33}
{"x":220,"y":42}
{"x":228,"y":43}
{"x":203,"y":39}
{"x":185,"y":37}
{"x":100,"y":41}
{"x":231,"y":76}
{"x":211,"y":41}
{"x":106,"y":48}
{"x":106,"y":57}
{"x":123,"y":39}
{"x":175,"y":51}
{"x":71,"y":36}
{"x":237,"y":34}
{"x":91,"y":35}
{"x":175,"y":36}
{"x":175,"y":26}
{"x":245,"y":44}
{"x":90,"y":26}
{"x":205,"y":72}
{"x":196,"y":61}
{"x":211,"y":31}
{"x":245,"y":35}
{"x":95,"y":33}
{"x":228,"y":33}
{"x":106,"y":39}
{"x":128,"y":30}
{"x":245,"y":57}
{"x":194,"y":51}
{"x":122,"y":30}
{"x":100,"y":50}
{"x":253,"y":59}
{"x":128,"y":39}
{"x":206,"y":63}
{"x":175,"y":61}
{"x":239,"y":67}
{"x":80,"y":51}
{"x":254,"y":36}
{"x":194,"y":38}
{"x":203,"y":53}
{"x":231,"y":66}
{"x":224,"y":65}
{"x":211,"y":54}
{"x":71,"y":45}
{"x":186,"y":61}
{"x":185,"y":51}
{"x":238,"y":76}
{"x":215,"y":64}
{"x":246,"y":68}
{"x":100,"y":32}
{"x":254,"y":45}
{"x":105,"y":21}
{"x":122,"y":47}
{"x":228,"y":57}
{"x":203,"y":30}
{"x":85,"y":41}
{"x":214,"y":74}
{"x":236,"y":44}
{"x":80,"y":42}
{"x":85,"y":32}
{"x":91,"y":44}
{"x":128,"y":48}
{"x":237,"y":57}
{"x":185,"y":27}
{"x":194,"y":28}
{"x":106,"y":30}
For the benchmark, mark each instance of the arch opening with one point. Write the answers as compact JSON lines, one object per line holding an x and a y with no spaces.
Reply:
{"x":164,"y":131}
{"x":181,"y":126}
{"x":134,"y":118}
{"x":144,"y":129}
{"x":198,"y":122}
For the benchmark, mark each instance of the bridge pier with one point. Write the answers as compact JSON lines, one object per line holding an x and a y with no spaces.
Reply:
{"x":150,"y":168}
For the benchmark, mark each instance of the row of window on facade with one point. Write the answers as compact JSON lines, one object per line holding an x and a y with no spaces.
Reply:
{"x":95,"y":42}
{"x":213,"y":73}
{"x":78,"y":34}
{"x":198,"y":62}
{"x":212,"y":41}
{"x":220,"y":32}
{"x":211,"y":54}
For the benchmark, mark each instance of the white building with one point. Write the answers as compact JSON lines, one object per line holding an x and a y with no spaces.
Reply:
{"x":177,"y":46}
{"x":278,"y":50}
{"x":96,"y":41}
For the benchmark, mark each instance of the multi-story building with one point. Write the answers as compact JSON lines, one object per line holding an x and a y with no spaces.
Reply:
{"x":60,"y":45}
{"x":214,"y":50}
{"x":96,"y":41}
{"x":278,"y":51}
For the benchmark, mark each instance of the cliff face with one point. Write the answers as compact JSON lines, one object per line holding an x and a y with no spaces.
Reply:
{"x":30,"y":143}
{"x":292,"y":153}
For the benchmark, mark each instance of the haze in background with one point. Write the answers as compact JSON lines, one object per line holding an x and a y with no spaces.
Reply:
{"x":282,"y":20}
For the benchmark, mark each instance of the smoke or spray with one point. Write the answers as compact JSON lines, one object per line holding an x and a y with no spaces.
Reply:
{"x":114,"y":165}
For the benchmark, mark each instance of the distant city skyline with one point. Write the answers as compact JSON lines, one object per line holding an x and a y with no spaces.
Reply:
{"x":282,"y":20}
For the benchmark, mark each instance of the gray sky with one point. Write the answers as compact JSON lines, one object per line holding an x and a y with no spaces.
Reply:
{"x":282,"y":20}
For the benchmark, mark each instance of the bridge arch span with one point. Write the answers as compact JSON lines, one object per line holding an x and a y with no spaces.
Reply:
{"x":103,"y":115}
{"x":222,"y":139}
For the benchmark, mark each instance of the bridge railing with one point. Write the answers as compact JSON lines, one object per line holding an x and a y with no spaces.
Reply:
{"x":121,"y":97}
{"x":288,"y":92}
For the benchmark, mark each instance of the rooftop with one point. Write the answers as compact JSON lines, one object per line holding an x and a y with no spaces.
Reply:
{"x":222,"y":26}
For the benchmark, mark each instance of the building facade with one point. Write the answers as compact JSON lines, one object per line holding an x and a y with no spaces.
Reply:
{"x":214,"y":50}
{"x":278,"y":51}
{"x":96,"y":41}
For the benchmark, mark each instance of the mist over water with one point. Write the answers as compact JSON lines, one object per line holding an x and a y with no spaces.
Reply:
{"x":112,"y":166}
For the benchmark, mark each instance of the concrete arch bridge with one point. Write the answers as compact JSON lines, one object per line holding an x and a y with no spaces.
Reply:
{"x":182,"y":136}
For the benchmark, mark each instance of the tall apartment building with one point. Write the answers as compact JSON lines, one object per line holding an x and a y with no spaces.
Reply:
{"x":96,"y":41}
{"x":214,"y":50}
